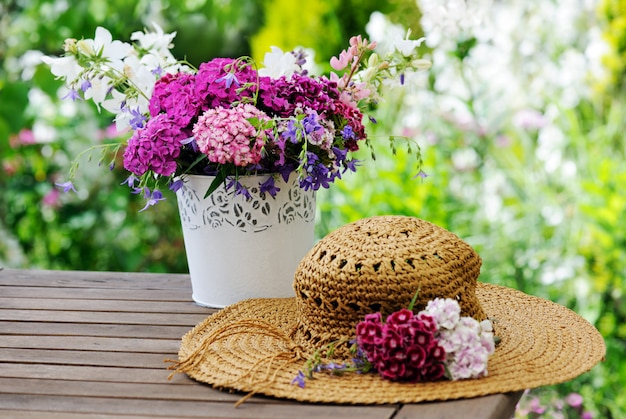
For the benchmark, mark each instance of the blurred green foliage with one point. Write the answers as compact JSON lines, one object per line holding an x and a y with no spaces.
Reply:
{"x":556,"y":232}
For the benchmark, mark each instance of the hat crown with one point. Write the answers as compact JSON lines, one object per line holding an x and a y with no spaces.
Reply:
{"x":378,"y":264}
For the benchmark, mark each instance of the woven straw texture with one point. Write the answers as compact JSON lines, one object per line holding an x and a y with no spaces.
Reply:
{"x":259,"y":345}
{"x":377,"y":264}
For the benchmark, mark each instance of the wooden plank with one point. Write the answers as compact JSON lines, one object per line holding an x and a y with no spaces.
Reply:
{"x":81,"y":329}
{"x":91,"y":373}
{"x":176,"y":408}
{"x":165,"y":319}
{"x":182,"y":294}
{"x":91,"y":343}
{"x":495,"y":406}
{"x":158,"y":391}
{"x":71,"y":304}
{"x":95,"y":280}
{"x":24,"y":414}
{"x":84,"y":358}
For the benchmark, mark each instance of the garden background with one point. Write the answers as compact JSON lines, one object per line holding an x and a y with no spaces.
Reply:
{"x":520,"y":122}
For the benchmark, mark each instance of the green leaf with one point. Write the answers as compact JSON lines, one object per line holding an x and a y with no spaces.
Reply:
{"x":414,"y":299}
{"x":219,"y":179}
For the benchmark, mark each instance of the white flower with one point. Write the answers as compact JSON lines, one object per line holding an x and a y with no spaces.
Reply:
{"x":157,"y":41}
{"x":104,"y":46}
{"x":66,"y":68}
{"x":408,"y":46}
{"x":142,"y":74}
{"x":100,"y":86}
{"x":278,"y":63}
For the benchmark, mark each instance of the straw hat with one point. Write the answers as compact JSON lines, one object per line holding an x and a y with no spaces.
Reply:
{"x":377,"y":264}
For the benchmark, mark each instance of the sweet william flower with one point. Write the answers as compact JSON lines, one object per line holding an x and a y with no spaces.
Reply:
{"x":227,"y":136}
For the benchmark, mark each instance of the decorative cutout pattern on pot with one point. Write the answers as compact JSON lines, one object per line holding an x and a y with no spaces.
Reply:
{"x":222,"y":208}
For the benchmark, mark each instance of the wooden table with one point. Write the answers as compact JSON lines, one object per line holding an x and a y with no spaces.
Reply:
{"x":92,"y":344}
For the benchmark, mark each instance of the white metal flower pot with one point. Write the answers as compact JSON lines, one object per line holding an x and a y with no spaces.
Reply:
{"x":237,"y":248}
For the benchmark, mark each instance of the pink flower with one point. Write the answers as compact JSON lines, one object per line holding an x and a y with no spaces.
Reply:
{"x":446,"y":312}
{"x":52,"y":198}
{"x":574,"y":400}
{"x":341,"y":62}
{"x":226,"y":135}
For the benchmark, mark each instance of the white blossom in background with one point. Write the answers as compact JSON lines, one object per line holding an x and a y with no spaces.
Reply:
{"x":278,"y":63}
{"x":97,"y":67}
{"x":528,"y":62}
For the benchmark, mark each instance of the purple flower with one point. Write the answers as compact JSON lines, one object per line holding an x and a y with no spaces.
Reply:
{"x":85,"y":85}
{"x":291,"y":132}
{"x":299,"y":379}
{"x":176,"y":185}
{"x":228,"y":80}
{"x":72,"y":94}
{"x":347,"y":133}
{"x":350,"y":165}
{"x":239,"y":188}
{"x":191,"y":142}
{"x":130,"y":181}
{"x":67,"y":186}
{"x":138,"y":120}
{"x":155,"y":147}
{"x":158,"y":71}
{"x":269,"y":187}
{"x":152,"y":198}
{"x":310,"y":123}
{"x":421,"y":174}
{"x":318,"y":175}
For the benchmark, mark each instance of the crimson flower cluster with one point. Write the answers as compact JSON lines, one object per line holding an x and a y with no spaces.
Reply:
{"x":403,"y":348}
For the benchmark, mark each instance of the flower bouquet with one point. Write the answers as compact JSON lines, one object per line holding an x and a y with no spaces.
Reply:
{"x":227,"y":137}
{"x":229,"y":118}
{"x":434,"y":344}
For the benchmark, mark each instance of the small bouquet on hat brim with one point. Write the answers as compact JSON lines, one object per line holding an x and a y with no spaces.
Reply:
{"x":436,"y":343}
{"x":229,"y":117}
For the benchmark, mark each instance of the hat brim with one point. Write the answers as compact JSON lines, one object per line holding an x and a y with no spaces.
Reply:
{"x":542,"y":343}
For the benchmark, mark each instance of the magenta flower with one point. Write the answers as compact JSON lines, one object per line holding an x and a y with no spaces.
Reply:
{"x":175,"y":95}
{"x":215,"y":83}
{"x":281,"y":97}
{"x":402,"y":348}
{"x":154,"y":147}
